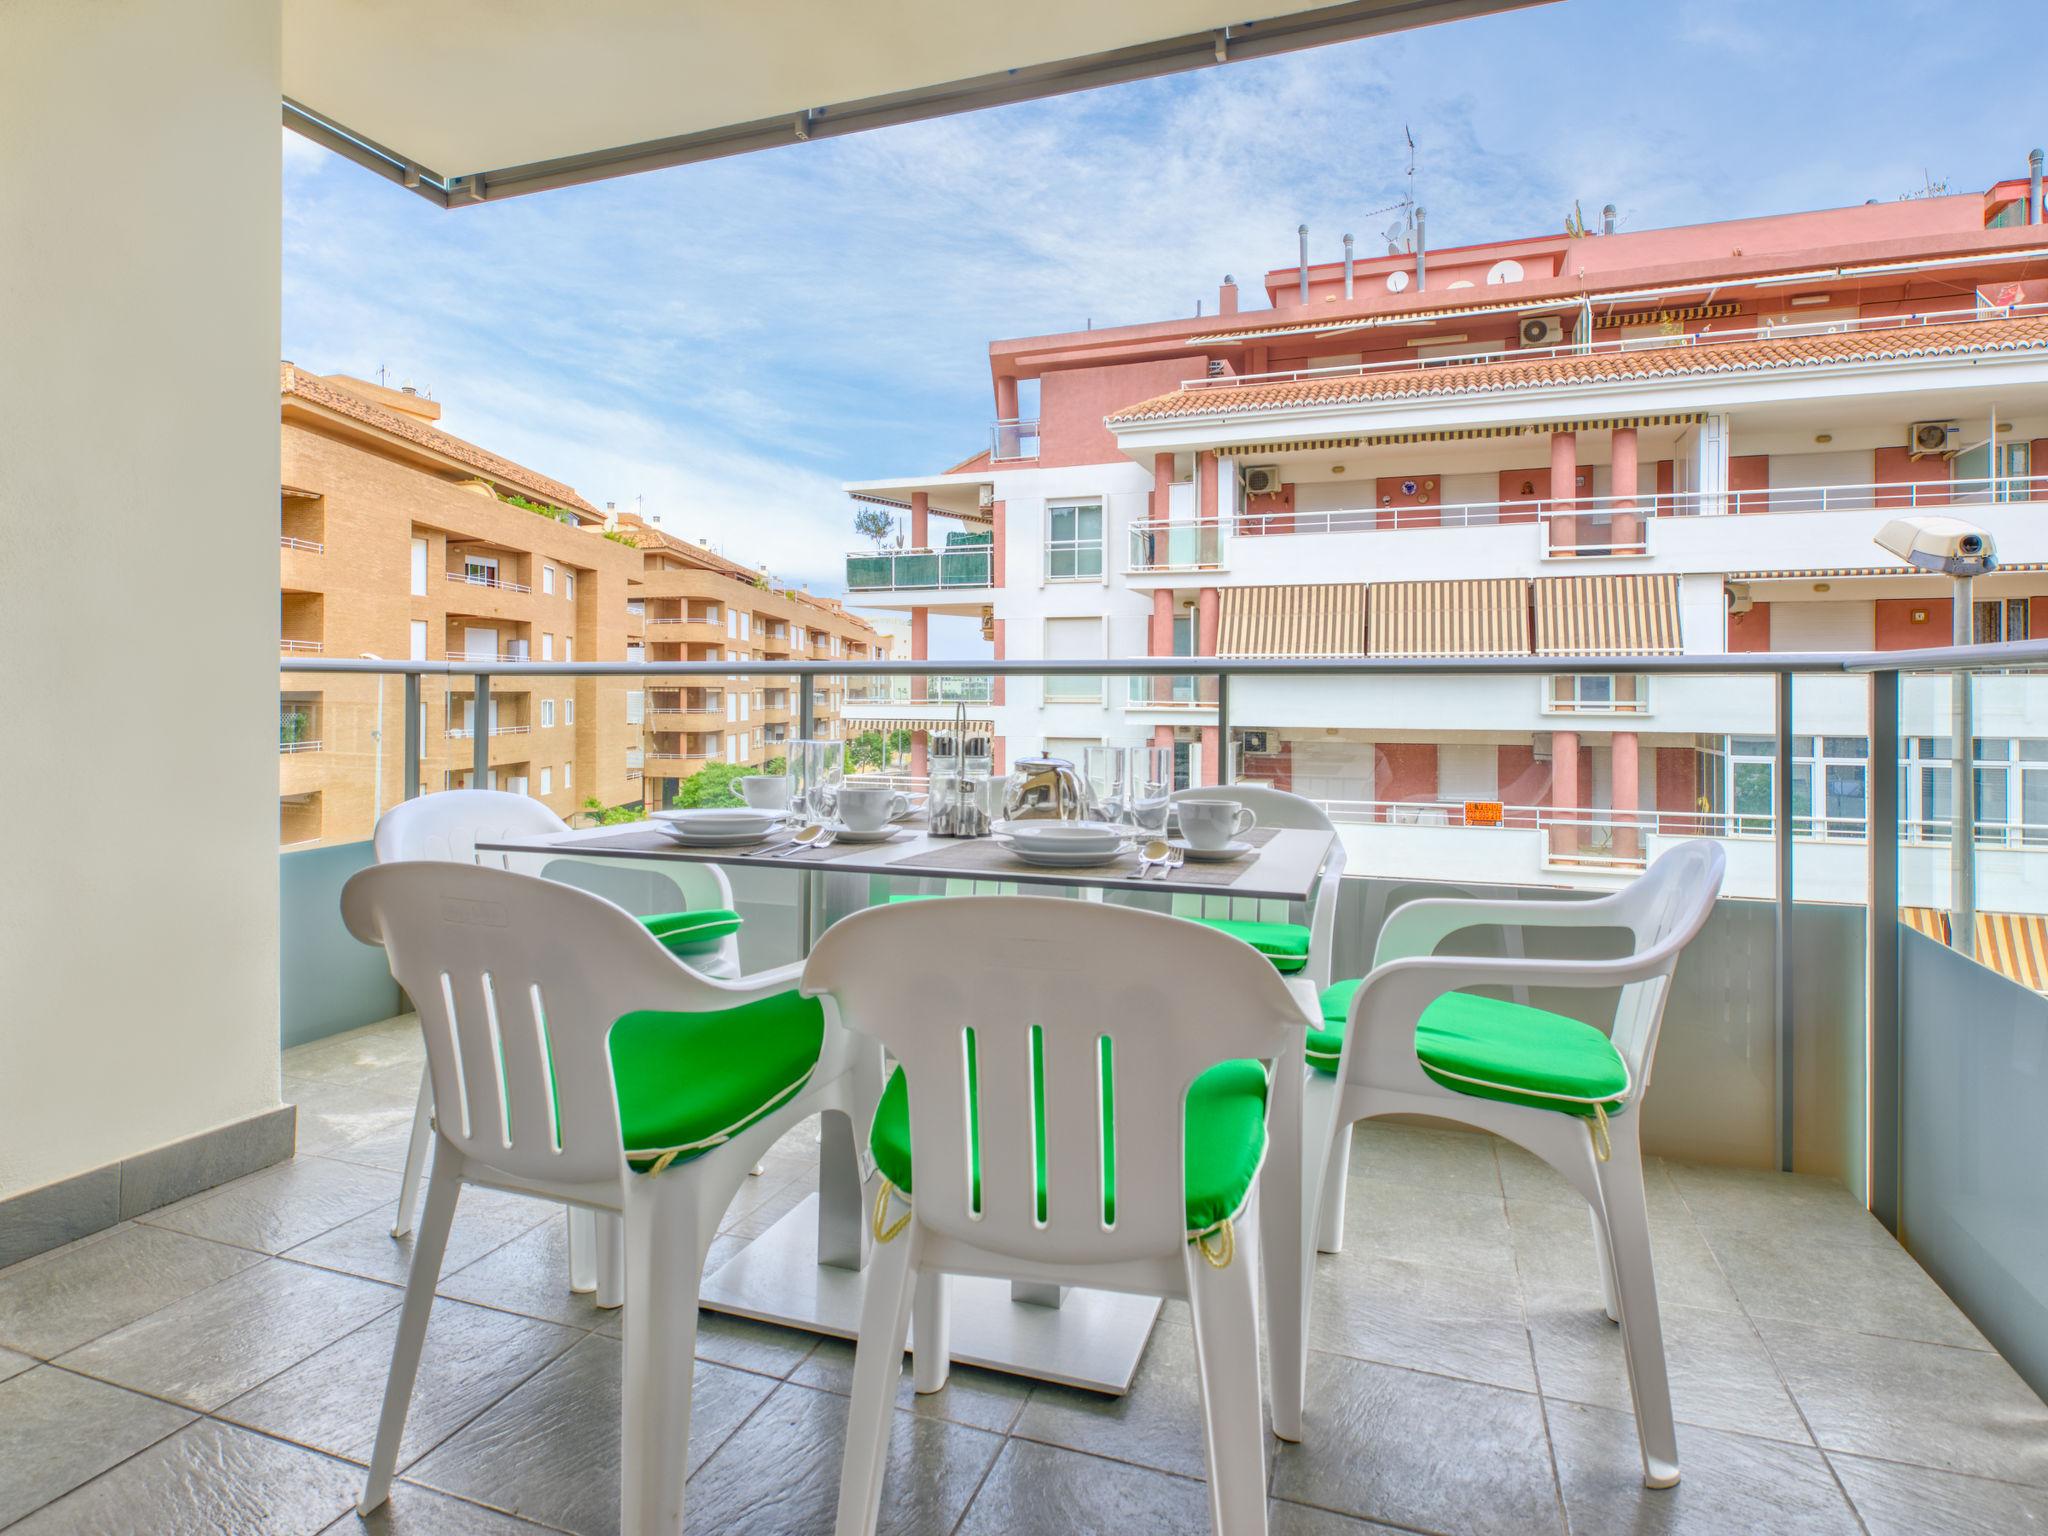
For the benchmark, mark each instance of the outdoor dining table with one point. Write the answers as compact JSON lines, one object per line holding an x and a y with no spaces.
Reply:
{"x":804,"y":1271}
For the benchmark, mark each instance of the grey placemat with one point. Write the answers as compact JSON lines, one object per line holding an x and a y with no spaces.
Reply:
{"x":975,"y":856}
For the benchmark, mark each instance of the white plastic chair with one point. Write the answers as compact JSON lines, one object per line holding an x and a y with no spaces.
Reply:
{"x":448,"y":826}
{"x":1278,"y":808}
{"x":519,"y":981}
{"x":1601,"y":1157}
{"x":1173,"y":1002}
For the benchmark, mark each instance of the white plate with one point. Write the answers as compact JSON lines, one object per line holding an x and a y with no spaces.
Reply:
{"x":698,"y":838}
{"x":877,"y":835}
{"x":1075,"y":837}
{"x":1187,"y":850}
{"x":721,"y":818}
{"x":1061,"y":858}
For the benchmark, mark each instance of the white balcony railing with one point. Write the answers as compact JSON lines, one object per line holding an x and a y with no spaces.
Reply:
{"x":300,"y":647}
{"x":304,"y":546}
{"x":487,"y":579}
{"x":1172,"y":693}
{"x":1706,"y":336}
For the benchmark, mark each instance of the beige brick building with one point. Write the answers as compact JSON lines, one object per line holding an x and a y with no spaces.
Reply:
{"x":399,"y":540}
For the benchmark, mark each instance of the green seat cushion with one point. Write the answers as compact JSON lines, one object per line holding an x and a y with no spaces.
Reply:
{"x":1285,"y":944}
{"x":1490,"y":1049}
{"x":1225,"y":1137}
{"x":692,"y":933}
{"x":688,"y":1082}
{"x":1326,"y":1045}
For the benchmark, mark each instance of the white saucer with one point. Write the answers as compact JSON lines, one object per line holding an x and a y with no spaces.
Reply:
{"x":917,"y":807}
{"x":1060,"y":858}
{"x":1187,"y":850}
{"x":877,"y":835}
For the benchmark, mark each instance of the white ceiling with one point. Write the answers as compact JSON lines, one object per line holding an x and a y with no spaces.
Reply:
{"x":461,"y":87}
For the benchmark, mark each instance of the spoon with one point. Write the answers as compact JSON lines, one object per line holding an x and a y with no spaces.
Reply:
{"x":802,"y":838}
{"x":1158,"y":851}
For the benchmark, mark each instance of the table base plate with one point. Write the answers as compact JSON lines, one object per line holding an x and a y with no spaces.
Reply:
{"x":1092,"y":1340}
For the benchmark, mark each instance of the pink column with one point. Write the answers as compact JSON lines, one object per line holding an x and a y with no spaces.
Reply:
{"x":1564,"y":484}
{"x":920,"y":520}
{"x":1564,"y":791}
{"x":1627,"y":773}
{"x":1159,"y":639}
{"x":920,"y":650}
{"x":1006,"y":398}
{"x":1212,"y":763}
{"x":1161,"y":504}
{"x":1627,"y":526}
{"x":1208,"y":621}
{"x":998,"y":539}
{"x":1001,"y":643}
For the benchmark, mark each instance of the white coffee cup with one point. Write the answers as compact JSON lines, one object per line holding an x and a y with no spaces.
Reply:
{"x":1211,"y":824}
{"x":765,"y":791}
{"x":864,"y":808}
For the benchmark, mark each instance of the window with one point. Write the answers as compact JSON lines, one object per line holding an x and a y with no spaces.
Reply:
{"x":1598,"y":693}
{"x":568,"y":711}
{"x":2000,"y":620}
{"x":743,"y":706}
{"x":1073,"y":640}
{"x":732,"y":625}
{"x":568,"y":775}
{"x":1839,"y":773}
{"x":744,"y":618}
{"x":568,"y":647}
{"x":418,"y":637}
{"x":1073,"y":541}
{"x":481,"y":570}
{"x":569,"y":585}
{"x":547,"y":781}
{"x":419,"y":567}
{"x":636,"y":708}
{"x":1974,"y":473}
{"x":547,"y":646}
{"x":547,"y":714}
{"x":547,"y":580}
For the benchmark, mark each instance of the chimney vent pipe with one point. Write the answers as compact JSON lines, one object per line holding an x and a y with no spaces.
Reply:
{"x":1347,"y":266}
{"x":1421,"y":255}
{"x":1226,"y":296}
{"x":2035,"y":213}
{"x":1301,"y":234}
{"x":1607,"y":220}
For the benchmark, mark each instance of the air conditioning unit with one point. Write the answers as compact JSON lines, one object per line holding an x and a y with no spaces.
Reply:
{"x":1253,"y":743}
{"x":1262,"y":480}
{"x":1931,"y":437}
{"x":1543,"y":331}
{"x":987,"y":498}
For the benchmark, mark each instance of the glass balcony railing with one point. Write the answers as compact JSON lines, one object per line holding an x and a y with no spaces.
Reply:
{"x":1170,"y":693}
{"x":897,"y":570}
{"x":937,"y":690}
{"x":1175,"y":545}
{"x":1016,"y":439}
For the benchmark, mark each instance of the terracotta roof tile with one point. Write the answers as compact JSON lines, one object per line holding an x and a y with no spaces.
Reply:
{"x":2010,"y":335}
{"x":313,"y":388}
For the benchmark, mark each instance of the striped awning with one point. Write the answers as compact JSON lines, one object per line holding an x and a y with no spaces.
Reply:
{"x":1931,"y":921}
{"x":1824,"y":572}
{"x":1293,"y":621}
{"x":1451,"y":618}
{"x":1607,"y":615}
{"x":2015,"y":944}
{"x":1272,"y":446}
{"x":856,"y":726}
{"x":1666,"y":316}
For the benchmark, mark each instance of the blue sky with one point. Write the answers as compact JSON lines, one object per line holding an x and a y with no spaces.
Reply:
{"x":730,"y":341}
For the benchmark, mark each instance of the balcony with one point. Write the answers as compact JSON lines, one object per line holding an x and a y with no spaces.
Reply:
{"x":1015,"y":439}
{"x":912,"y":570}
{"x":893,"y":691}
{"x":487,"y":579}
{"x":298,"y":727}
{"x":1174,"y":545}
{"x":1172,"y":694}
{"x":303,"y":546}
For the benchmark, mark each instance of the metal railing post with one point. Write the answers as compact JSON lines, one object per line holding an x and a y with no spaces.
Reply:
{"x":480,"y":735}
{"x":411,"y":735}
{"x":1881,"y":944}
{"x":1782,"y":956}
{"x":1224,"y":775}
{"x":806,"y":723}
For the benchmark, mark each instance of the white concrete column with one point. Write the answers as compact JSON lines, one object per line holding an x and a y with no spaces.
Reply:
{"x":1710,"y":466}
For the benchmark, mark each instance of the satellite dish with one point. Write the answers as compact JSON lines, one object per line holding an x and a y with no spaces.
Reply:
{"x":1397,"y":282}
{"x":1463,"y":282}
{"x":1504,"y":272}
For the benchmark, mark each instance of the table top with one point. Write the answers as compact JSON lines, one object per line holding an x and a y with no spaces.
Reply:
{"x":1284,"y":867}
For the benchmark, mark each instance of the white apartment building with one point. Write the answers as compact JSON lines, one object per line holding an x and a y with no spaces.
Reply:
{"x":1658,"y":442}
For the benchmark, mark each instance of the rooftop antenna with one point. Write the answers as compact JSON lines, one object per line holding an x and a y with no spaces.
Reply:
{"x":1400,"y":235}
{"x":382,"y":376}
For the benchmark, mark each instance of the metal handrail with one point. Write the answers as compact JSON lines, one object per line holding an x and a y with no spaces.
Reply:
{"x":473,"y":579}
{"x":1706,"y":336}
{"x":309,"y":546}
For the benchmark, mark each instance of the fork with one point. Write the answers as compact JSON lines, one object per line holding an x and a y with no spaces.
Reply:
{"x":1173,"y":860}
{"x":824,"y":839}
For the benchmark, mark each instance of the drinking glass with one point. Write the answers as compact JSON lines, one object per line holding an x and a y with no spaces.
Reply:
{"x":817,"y":769}
{"x":1106,"y":771}
{"x":1147,"y":790}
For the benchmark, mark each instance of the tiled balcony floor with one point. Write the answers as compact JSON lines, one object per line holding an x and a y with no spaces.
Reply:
{"x":217,"y":1365}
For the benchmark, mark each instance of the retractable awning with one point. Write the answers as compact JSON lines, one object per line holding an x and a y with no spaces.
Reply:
{"x":1451,"y":618}
{"x":1320,"y":621}
{"x":2015,"y":944}
{"x":1606,"y":615}
{"x":465,"y":101}
{"x":855,"y":726}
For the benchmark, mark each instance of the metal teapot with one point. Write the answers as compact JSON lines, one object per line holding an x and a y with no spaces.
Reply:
{"x":1045,"y":789}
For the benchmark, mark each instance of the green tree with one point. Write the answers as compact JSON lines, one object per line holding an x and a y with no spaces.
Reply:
{"x":874,"y":523}
{"x":603,"y":815}
{"x":712,"y":785}
{"x":869,"y":752}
